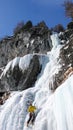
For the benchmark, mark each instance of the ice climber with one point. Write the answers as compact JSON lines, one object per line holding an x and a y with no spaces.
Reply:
{"x":31,"y":110}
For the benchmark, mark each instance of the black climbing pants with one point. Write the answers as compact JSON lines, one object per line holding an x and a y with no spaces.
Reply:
{"x":31,"y":118}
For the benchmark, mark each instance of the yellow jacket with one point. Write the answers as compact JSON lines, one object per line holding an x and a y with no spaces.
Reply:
{"x":31,"y":108}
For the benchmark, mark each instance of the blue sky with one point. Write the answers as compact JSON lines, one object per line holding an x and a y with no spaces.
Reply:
{"x":15,"y":11}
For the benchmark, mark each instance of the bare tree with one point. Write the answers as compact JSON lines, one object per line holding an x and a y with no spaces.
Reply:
{"x":68,"y":5}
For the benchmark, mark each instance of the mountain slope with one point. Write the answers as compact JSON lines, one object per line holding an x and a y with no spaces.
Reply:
{"x":53,"y":102}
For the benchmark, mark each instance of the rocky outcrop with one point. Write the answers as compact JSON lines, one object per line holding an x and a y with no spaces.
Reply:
{"x":4,"y":97}
{"x":33,"y":40}
{"x":67,"y":34}
{"x":66,"y":62}
{"x":16,"y":79}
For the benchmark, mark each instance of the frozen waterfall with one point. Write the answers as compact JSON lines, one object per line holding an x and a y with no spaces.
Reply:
{"x":54,"y":110}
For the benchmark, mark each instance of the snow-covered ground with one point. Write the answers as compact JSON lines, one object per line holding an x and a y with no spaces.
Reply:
{"x":54,"y":109}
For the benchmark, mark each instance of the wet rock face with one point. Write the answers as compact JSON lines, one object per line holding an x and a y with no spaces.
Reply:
{"x":66,"y":61}
{"x":35,"y":40}
{"x":17,"y":80}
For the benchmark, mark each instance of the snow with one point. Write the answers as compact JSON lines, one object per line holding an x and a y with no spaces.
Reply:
{"x":69,"y":65}
{"x":67,"y":42}
{"x":32,"y":41}
{"x":66,"y":47}
{"x":63,"y":41}
{"x":54,"y":109}
{"x":61,"y":33}
{"x":27,"y":45}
